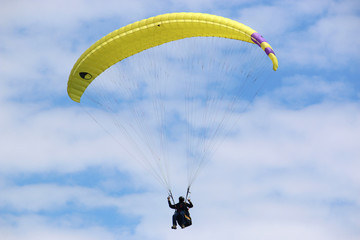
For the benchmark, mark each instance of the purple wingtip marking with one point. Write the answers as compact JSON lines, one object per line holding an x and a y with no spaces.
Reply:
{"x":269,"y":50}
{"x":258,"y":39}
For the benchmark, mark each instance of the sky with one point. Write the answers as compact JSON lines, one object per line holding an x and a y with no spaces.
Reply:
{"x":291,"y":171}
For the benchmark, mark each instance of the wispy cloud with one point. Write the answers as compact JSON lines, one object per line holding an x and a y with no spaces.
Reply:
{"x":289,"y":171}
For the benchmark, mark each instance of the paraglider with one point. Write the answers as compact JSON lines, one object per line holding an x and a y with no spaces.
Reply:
{"x":154,"y":107}
{"x":152,"y":32}
{"x":181,"y":215}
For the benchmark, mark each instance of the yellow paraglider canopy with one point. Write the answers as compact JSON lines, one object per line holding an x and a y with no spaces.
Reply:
{"x":152,"y":32}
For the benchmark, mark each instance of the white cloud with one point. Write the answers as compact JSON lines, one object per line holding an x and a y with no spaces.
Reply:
{"x":34,"y":138}
{"x":37,"y":227}
{"x":68,"y":13}
{"x":34,"y":198}
{"x":263,"y":175}
{"x":317,"y":34}
{"x":325,"y":43}
{"x":290,"y":173}
{"x":283,"y":168}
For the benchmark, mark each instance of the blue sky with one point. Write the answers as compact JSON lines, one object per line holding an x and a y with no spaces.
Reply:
{"x":291,"y":172}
